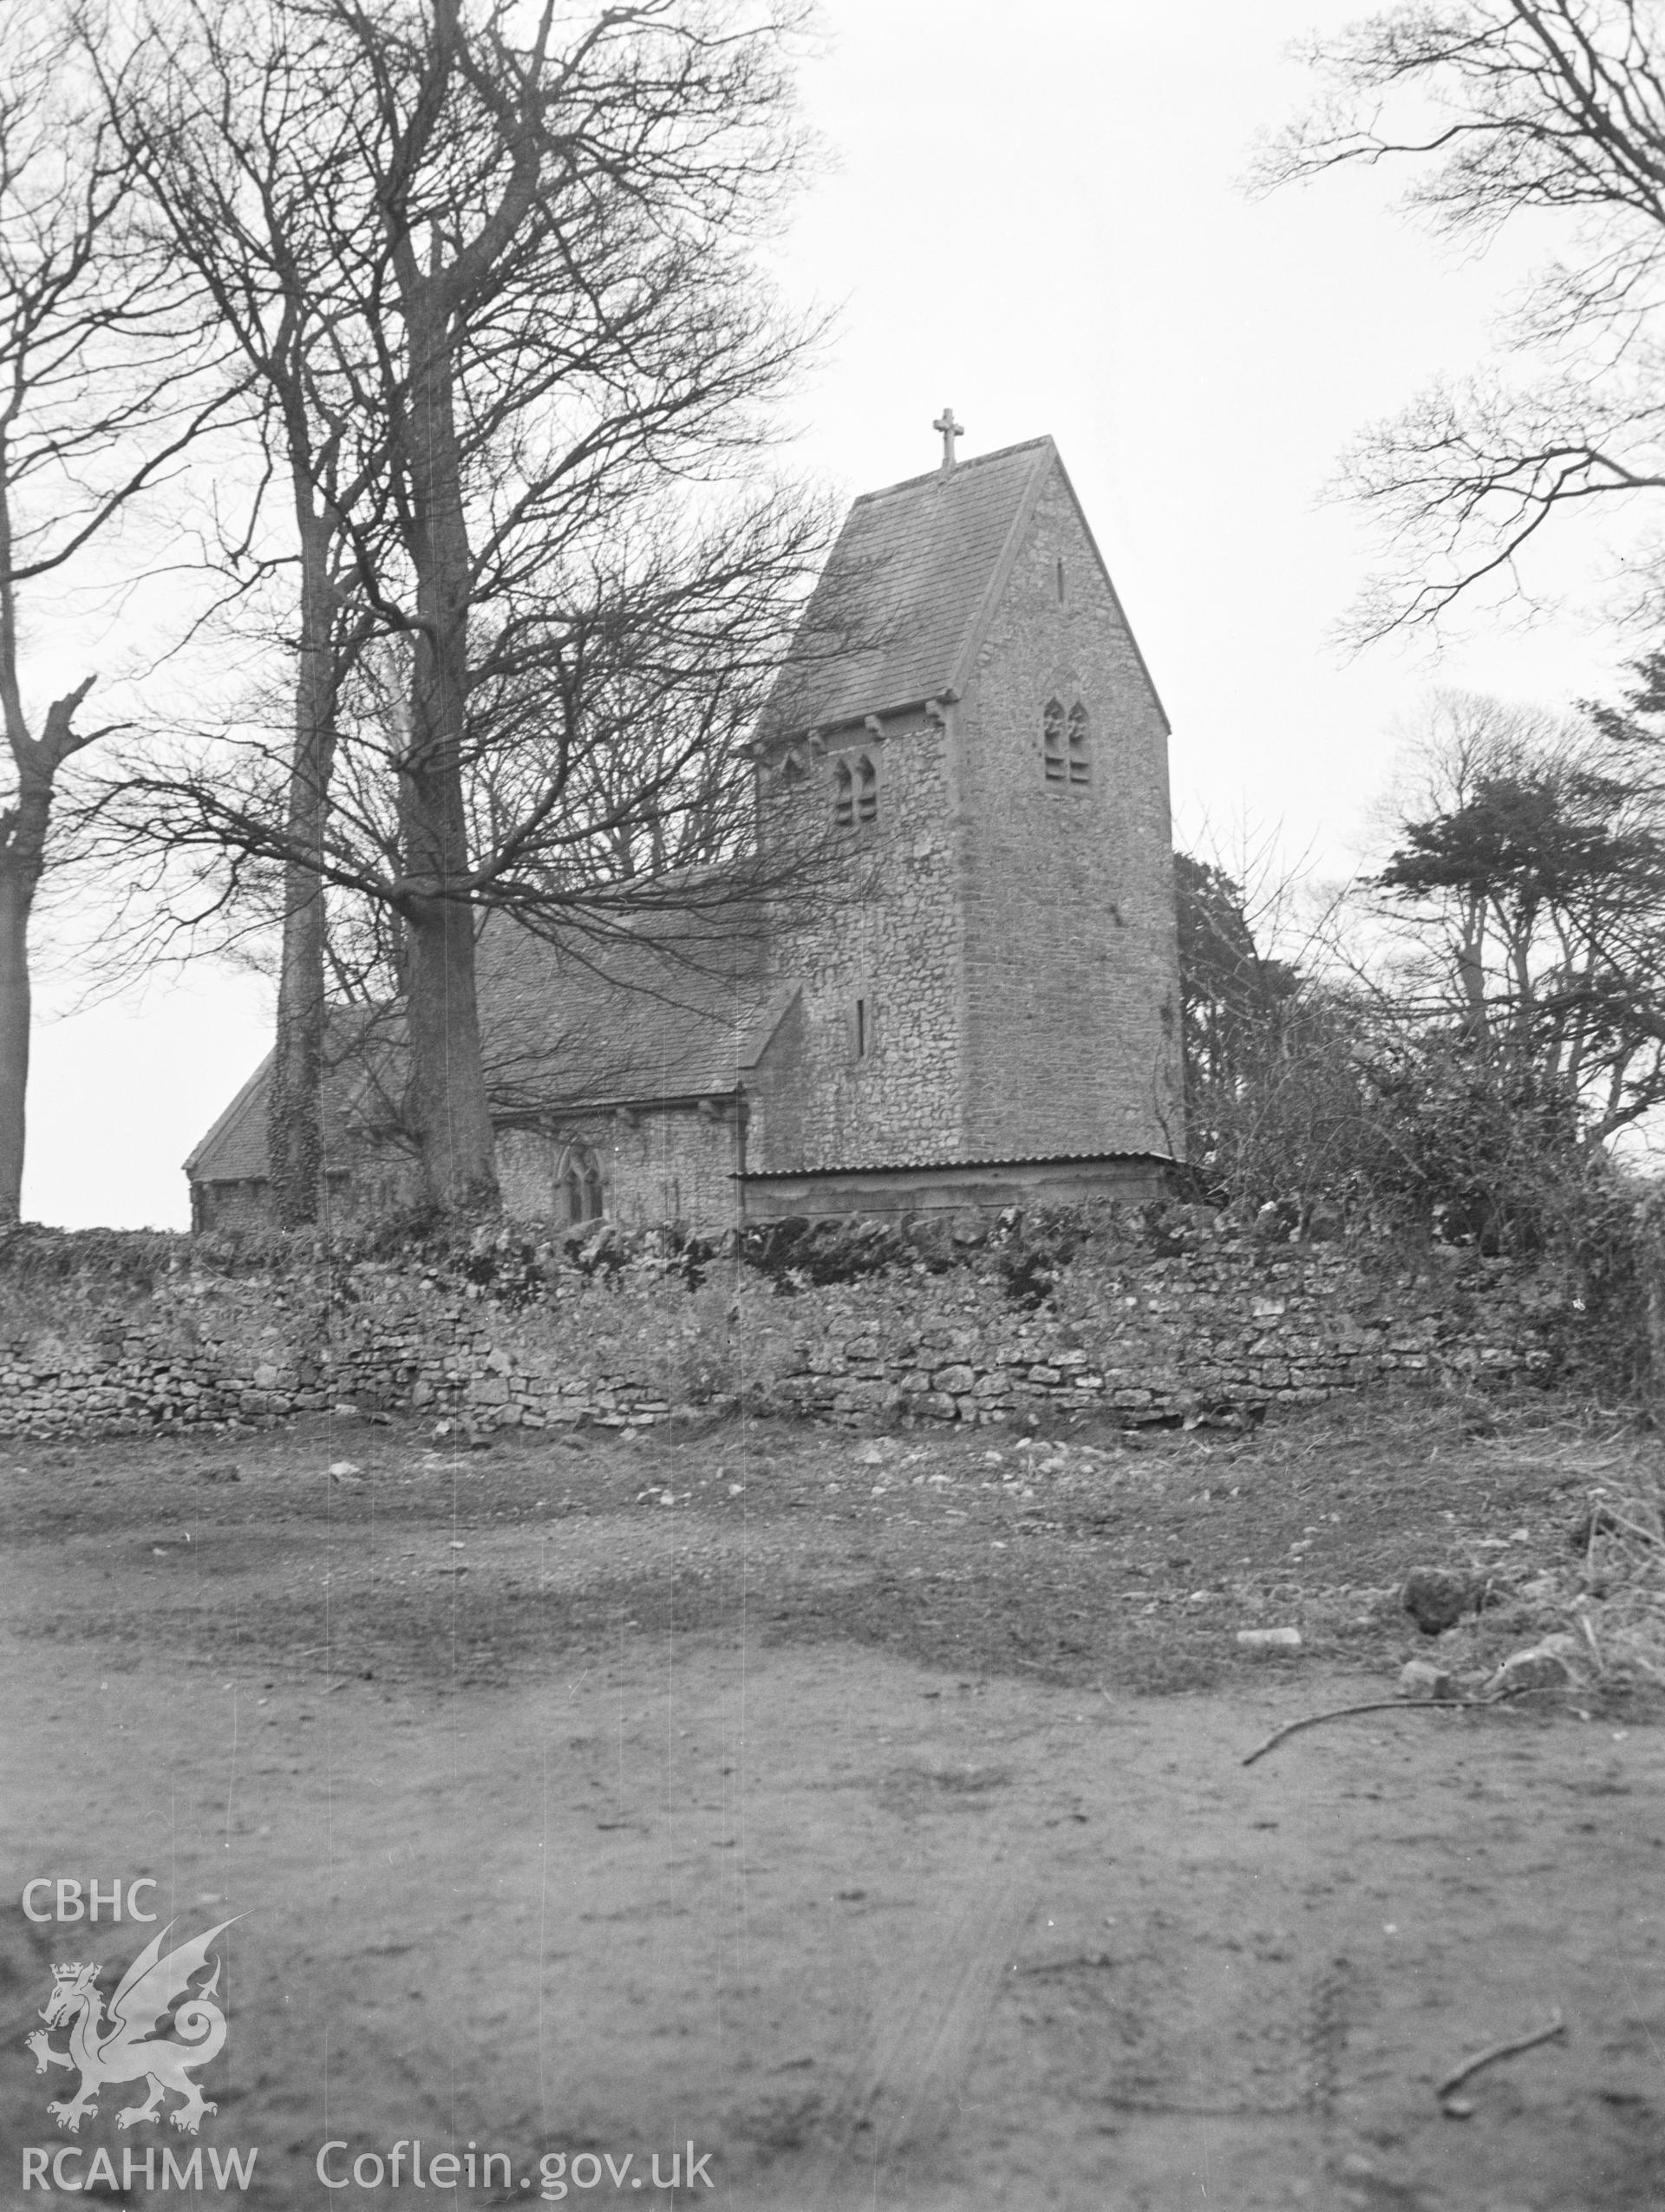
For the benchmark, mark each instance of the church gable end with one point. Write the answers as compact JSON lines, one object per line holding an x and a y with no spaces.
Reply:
{"x":968,"y":708}
{"x":1070,"y":963}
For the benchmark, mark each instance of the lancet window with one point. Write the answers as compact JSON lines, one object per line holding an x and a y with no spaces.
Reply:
{"x":577,"y":1184}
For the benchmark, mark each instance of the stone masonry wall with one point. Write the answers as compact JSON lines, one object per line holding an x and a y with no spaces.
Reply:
{"x":1071,"y":964}
{"x":660,"y":1163}
{"x":1134,"y":1336}
{"x":890,"y":938}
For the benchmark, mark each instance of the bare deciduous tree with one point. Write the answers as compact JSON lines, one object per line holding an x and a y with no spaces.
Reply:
{"x":533,"y":306}
{"x":104,"y":381}
{"x":1512,"y":109}
{"x":248,"y":165}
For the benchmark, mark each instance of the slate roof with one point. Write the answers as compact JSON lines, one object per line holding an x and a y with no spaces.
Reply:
{"x":888,"y":622}
{"x":363,"y":1050}
{"x":234,"y":1150}
{"x":677,"y":1007}
{"x":900,"y":609}
{"x":900,"y":600}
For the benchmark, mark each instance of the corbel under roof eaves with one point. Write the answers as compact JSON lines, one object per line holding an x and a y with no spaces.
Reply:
{"x":843,"y":726}
{"x":530,"y":1117}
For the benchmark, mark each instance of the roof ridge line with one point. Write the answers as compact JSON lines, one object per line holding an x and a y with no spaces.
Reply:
{"x":942,"y":475}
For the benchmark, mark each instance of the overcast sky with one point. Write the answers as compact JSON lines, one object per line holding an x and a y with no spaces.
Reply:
{"x":1036,"y":213}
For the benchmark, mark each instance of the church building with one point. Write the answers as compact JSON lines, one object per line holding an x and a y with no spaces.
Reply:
{"x":979,"y":1007}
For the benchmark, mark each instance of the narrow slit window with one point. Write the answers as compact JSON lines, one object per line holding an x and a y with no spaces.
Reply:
{"x":1052,"y":741}
{"x":866,"y":791}
{"x":1081,"y":758}
{"x":863,"y":1037}
{"x":1060,"y":579}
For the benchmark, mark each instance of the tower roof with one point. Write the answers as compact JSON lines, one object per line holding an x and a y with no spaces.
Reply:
{"x":917,"y":569}
{"x":887,"y":625}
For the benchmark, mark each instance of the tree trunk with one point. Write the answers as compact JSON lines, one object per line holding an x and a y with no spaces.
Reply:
{"x":16,"y":894}
{"x":448,"y":1099}
{"x":22,"y":856}
{"x":295,"y":1100}
{"x":1471,"y":974}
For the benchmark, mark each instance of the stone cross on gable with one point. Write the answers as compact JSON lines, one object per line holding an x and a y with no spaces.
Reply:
{"x":951,"y":431}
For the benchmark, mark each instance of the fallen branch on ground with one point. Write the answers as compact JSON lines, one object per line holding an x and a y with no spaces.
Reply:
{"x":1455,"y":2080}
{"x":1345,"y":1711}
{"x":1381,"y":1705}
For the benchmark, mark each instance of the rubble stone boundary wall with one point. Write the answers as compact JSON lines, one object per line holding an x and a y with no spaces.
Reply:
{"x":1223,"y":1325}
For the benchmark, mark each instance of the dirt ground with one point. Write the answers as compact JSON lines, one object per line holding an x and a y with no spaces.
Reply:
{"x":868,"y":1814}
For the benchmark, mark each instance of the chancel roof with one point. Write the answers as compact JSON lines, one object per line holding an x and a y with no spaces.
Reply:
{"x":898,"y":613}
{"x":677,"y":1006}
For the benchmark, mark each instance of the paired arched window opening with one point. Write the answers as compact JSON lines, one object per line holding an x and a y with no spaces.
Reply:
{"x":1080,"y":760}
{"x":1066,"y":743}
{"x":855,"y":792}
{"x":793,"y":770}
{"x":577,"y":1185}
